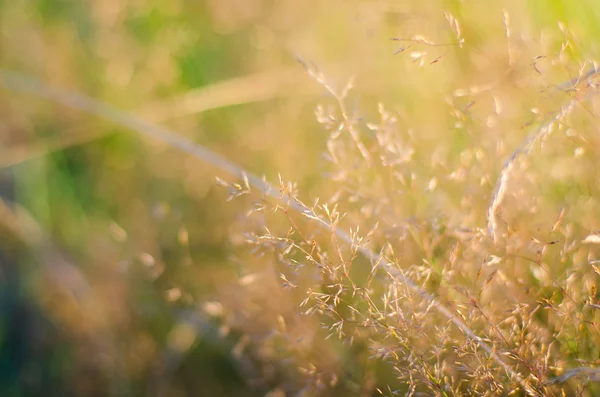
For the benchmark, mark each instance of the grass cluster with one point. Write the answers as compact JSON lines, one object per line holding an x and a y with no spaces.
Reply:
{"x":439,"y":272}
{"x":442,"y":238}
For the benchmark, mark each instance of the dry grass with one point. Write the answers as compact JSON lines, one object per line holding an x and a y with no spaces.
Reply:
{"x":451,"y":248}
{"x":419,"y":283}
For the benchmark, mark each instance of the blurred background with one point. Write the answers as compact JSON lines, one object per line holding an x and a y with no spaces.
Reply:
{"x":119,"y":254}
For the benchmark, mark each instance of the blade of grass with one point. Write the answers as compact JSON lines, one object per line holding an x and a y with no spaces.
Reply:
{"x":527,"y":144}
{"x":247,"y":89}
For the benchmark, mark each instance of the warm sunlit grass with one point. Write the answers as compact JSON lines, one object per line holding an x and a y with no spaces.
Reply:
{"x":440,"y":239}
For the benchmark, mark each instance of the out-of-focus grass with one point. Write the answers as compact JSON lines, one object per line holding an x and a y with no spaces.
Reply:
{"x":151,"y":236}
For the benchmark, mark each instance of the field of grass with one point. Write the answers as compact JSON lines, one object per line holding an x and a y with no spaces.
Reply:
{"x":299,"y":198}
